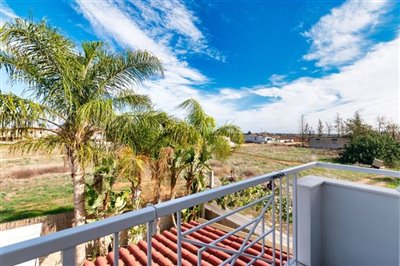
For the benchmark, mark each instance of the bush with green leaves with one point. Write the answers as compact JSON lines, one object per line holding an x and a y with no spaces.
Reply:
{"x":101,"y":200}
{"x":372,"y":145}
{"x":252,"y":194}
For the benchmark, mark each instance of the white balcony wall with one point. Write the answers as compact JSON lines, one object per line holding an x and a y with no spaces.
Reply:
{"x":347,"y":224}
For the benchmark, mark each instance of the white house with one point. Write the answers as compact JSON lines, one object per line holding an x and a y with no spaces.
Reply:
{"x":258,"y":138}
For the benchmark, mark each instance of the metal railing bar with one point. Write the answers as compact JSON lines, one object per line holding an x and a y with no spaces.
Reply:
{"x":68,"y":257}
{"x":239,"y":229}
{"x":389,"y":173}
{"x":229,"y":251}
{"x":62,"y":240}
{"x":116,"y":248}
{"x":253,"y":260}
{"x":38,"y":247}
{"x":257,"y":221}
{"x":222,"y":238}
{"x":273,"y":221}
{"x":294,"y":202}
{"x":200,"y":226}
{"x":263,"y":231}
{"x":41,"y":246}
{"x":171,"y":206}
{"x":257,"y":239}
{"x":199,"y":255}
{"x":299,"y":168}
{"x":287,"y":214}
{"x":149,"y":233}
{"x":179,"y":238}
{"x":280,"y":219}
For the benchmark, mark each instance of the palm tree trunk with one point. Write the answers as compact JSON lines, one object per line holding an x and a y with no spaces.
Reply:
{"x":78,"y":179}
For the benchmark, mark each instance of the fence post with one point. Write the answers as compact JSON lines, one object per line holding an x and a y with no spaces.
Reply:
{"x":211,"y":179}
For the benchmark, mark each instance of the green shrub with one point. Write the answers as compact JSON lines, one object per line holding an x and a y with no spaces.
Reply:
{"x":247,"y":196}
{"x":366,"y":147}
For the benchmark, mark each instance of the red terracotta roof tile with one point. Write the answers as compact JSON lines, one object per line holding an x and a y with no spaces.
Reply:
{"x":164,"y":250}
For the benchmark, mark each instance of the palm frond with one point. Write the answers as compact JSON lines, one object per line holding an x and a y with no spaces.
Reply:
{"x":130,"y":165}
{"x":197,"y":117}
{"x":47,"y":144}
{"x":221,"y":147}
{"x":128,"y":99}
{"x":120,"y":72}
{"x":231,"y":131}
{"x":181,"y":133}
{"x":96,"y":113}
{"x":38,"y":55}
{"x":17,"y":113}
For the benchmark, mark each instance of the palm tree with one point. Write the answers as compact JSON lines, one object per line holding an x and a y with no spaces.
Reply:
{"x":213,"y":141}
{"x":74,"y":93}
{"x":150,"y":145}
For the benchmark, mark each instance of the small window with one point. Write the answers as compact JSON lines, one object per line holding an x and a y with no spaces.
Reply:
{"x":334,"y":140}
{"x":317,"y":139}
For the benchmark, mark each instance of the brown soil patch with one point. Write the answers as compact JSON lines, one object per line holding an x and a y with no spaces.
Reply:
{"x":287,"y":162}
{"x":34,"y":171}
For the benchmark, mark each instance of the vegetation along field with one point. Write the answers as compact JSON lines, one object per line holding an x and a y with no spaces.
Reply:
{"x":255,"y":159}
{"x":36,"y":184}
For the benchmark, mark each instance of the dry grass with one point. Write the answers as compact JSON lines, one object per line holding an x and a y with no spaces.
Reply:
{"x":36,"y":184}
{"x":255,"y":159}
{"x":35,"y":196}
{"x":34,"y":171}
{"x":33,"y":184}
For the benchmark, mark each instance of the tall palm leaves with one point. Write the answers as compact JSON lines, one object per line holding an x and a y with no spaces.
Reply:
{"x":74,"y":92}
{"x":152,"y":139}
{"x":213,"y":141}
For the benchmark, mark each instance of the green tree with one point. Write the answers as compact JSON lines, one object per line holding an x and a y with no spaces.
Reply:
{"x":74,"y":91}
{"x":213,"y":141}
{"x":393,"y":129}
{"x":366,"y":147}
{"x":356,"y":126}
{"x":151,"y":145}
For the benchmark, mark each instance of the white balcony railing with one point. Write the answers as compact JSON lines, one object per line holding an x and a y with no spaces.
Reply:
{"x":66,"y":240}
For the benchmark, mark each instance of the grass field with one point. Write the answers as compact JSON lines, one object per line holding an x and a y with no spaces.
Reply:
{"x":35,"y":196}
{"x":36,"y":184}
{"x":32,"y":185}
{"x":255,"y":159}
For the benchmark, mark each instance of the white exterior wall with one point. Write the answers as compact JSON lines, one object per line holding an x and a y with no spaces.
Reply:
{"x":347,"y":224}
{"x":258,"y":139}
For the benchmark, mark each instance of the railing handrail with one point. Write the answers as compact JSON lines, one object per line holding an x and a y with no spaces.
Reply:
{"x":41,"y":246}
{"x":389,"y":173}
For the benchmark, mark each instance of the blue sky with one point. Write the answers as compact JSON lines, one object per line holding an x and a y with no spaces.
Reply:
{"x":259,"y":64}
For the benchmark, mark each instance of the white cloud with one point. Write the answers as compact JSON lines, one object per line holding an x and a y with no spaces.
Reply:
{"x":369,"y":84}
{"x":112,"y":21}
{"x":6,"y":13}
{"x":342,"y":36}
{"x":171,"y":23}
{"x":173,"y":14}
{"x":276,"y":79}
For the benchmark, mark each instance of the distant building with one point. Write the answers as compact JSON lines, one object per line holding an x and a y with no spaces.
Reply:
{"x":258,"y":138}
{"x":284,"y":139}
{"x":9,"y":135}
{"x":324,"y":142}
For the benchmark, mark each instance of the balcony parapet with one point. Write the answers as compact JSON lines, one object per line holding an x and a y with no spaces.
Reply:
{"x":346,"y":223}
